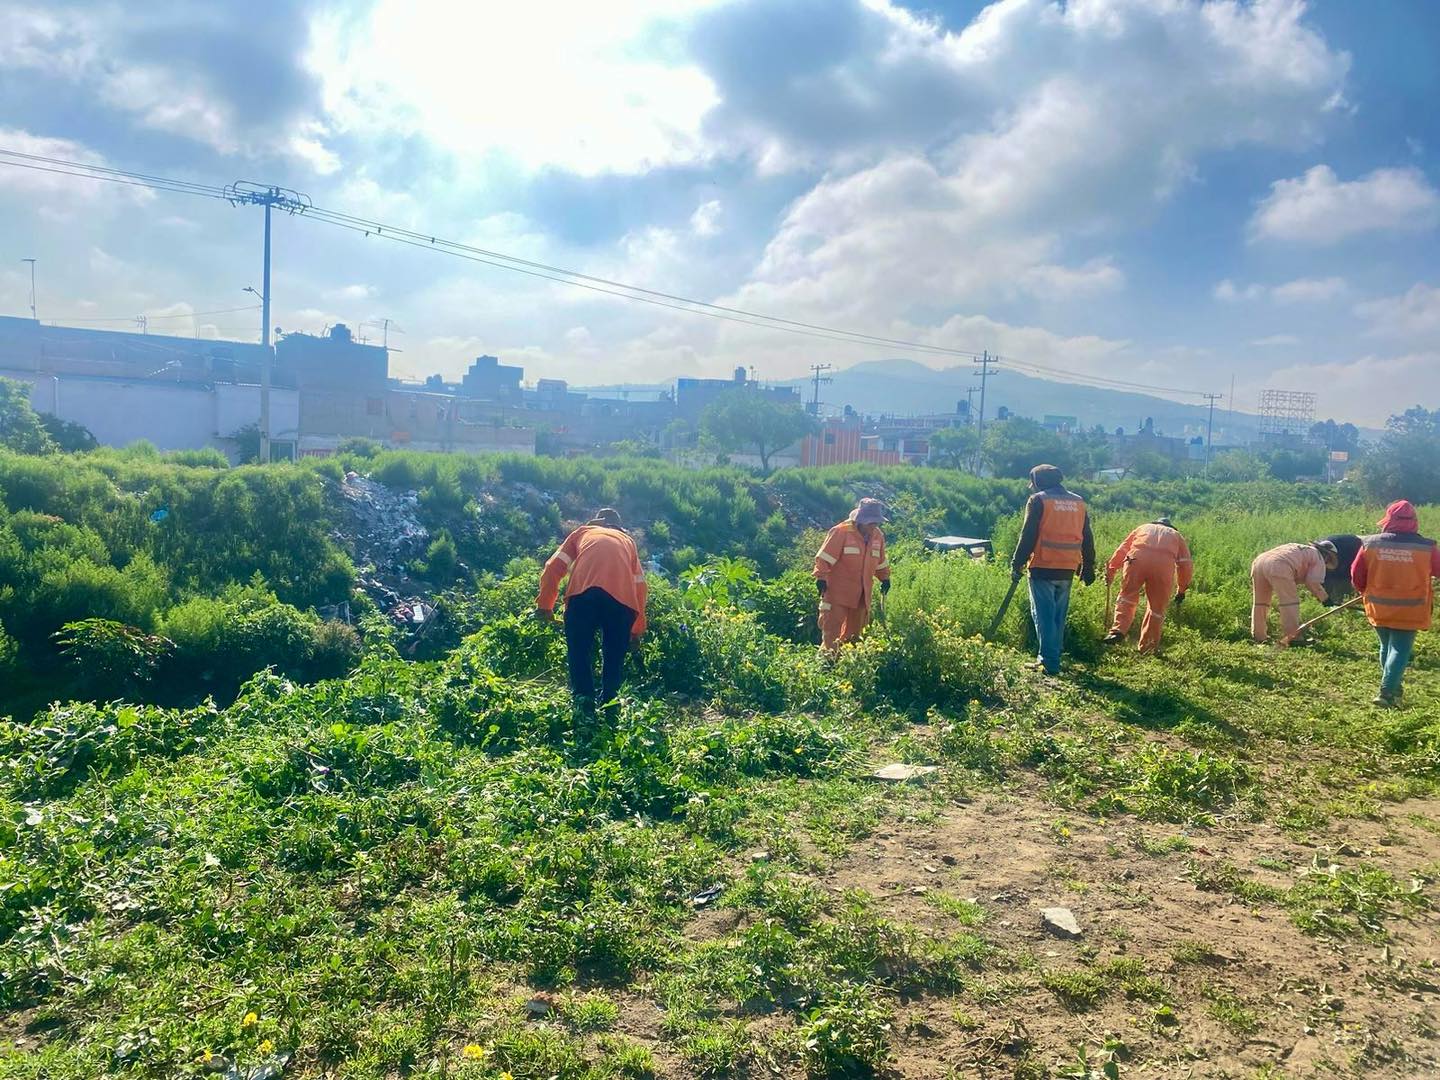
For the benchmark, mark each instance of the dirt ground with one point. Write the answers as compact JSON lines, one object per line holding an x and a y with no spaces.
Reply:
{"x":1353,"y":1006}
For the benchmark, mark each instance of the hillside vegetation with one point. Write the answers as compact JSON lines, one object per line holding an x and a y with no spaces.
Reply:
{"x":427,"y":867}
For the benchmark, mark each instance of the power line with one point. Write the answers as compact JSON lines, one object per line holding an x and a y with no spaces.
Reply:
{"x":562,"y":275}
{"x":152,"y":318}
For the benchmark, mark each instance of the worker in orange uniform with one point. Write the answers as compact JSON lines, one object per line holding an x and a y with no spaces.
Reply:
{"x":1393,"y":572}
{"x":1277,"y":574}
{"x":846,"y":567}
{"x":605,"y":596}
{"x":1055,"y":543}
{"x":1156,"y":558}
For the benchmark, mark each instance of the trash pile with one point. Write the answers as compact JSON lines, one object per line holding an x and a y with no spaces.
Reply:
{"x":385,"y":538}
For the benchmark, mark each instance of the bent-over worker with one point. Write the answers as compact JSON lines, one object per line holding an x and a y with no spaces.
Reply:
{"x":1337,"y":581}
{"x":1277,"y":574}
{"x":1156,"y":558}
{"x":846,"y":568}
{"x":605,"y":595}
{"x":1393,"y":571}
{"x":1055,"y":542}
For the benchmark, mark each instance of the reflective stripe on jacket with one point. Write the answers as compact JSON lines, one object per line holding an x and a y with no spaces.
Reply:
{"x":1155,"y":541}
{"x":595,"y":556}
{"x":1397,"y":587}
{"x":1062,"y":531}
{"x":848,"y":564}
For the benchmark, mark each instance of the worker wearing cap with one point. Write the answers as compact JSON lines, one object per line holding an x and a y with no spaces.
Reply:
{"x":1277,"y":574}
{"x":846,"y":568}
{"x":1393,"y":572}
{"x":605,"y":595}
{"x":1154,"y":557}
{"x":1055,"y":542}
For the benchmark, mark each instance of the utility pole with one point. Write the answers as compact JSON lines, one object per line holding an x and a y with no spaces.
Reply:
{"x":984,"y":360}
{"x":244,"y":193}
{"x":817,"y":376}
{"x":1210,"y":427}
{"x":32,"y":289}
{"x":970,"y":392}
{"x":143,"y":322}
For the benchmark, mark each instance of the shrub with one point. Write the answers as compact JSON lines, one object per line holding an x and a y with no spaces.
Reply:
{"x":110,"y":658}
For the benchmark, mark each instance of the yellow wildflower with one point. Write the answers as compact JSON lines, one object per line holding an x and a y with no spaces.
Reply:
{"x":507,"y":1075}
{"x":250,"y":1020}
{"x":206,"y":1056}
{"x":266,"y":1045}
{"x":474,"y":1052}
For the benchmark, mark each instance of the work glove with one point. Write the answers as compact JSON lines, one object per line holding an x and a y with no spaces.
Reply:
{"x":821,"y":586}
{"x":1088,"y":576}
{"x":541,"y":615}
{"x":884,"y":586}
{"x":1014,"y":575}
{"x":1179,"y":598}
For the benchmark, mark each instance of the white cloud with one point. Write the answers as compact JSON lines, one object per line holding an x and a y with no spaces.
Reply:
{"x":1050,"y":282}
{"x":705,"y":221}
{"x":564,"y":84}
{"x":1411,"y":316}
{"x":1275,"y":341}
{"x":350,"y":292}
{"x":1230,"y":293}
{"x":1368,"y":390}
{"x":1308,"y":290}
{"x":1319,"y":208}
{"x":1299,"y":291}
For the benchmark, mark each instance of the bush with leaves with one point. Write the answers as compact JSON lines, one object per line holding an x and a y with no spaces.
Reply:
{"x":112,"y":659}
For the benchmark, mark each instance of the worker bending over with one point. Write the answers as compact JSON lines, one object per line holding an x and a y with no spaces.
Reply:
{"x":1393,"y":571}
{"x":846,"y":567}
{"x":605,"y":595}
{"x":1277,"y":574}
{"x":1055,"y":542}
{"x":1156,"y":558}
{"x":1337,"y":581}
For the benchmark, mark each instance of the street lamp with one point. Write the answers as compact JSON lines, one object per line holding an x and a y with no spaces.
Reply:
{"x":32,"y":289}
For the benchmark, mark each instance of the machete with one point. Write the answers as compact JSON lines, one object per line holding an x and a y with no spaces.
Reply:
{"x":1283,"y":642}
{"x":1004,"y":607}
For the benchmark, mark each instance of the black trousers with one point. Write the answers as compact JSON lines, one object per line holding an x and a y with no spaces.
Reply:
{"x":596,"y":611}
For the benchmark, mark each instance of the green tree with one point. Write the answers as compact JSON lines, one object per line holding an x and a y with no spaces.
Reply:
{"x":1150,"y":465}
{"x":1405,"y":464}
{"x":69,"y":436}
{"x":748,"y":420}
{"x":1014,"y":446}
{"x":20,"y":426}
{"x":1090,"y":451}
{"x":1335,"y":436}
{"x":1235,"y":466}
{"x":954,"y":447}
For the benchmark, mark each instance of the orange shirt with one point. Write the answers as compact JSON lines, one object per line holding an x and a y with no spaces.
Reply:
{"x":1398,"y":593}
{"x":595,"y":556}
{"x":1061,"y":542}
{"x":848,"y":564}
{"x":1155,"y":541}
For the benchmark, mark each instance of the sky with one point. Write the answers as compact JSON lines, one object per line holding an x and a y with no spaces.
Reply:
{"x":1172,"y":192}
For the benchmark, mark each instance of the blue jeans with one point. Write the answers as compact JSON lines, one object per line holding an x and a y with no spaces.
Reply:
{"x":1049,"y":604}
{"x":1395,"y":648}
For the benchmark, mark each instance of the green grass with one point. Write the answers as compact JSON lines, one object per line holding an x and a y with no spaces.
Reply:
{"x":383,"y":868}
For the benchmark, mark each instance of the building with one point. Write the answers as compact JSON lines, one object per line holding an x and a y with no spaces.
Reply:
{"x":177,"y":393}
{"x":490,"y":380}
{"x":841,"y":441}
{"x":693,"y":396}
{"x":184,"y":393}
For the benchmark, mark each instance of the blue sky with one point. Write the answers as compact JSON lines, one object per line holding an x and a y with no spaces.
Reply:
{"x":1165,"y":191}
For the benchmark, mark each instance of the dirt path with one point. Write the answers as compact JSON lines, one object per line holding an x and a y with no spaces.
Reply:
{"x":1192,"y":982}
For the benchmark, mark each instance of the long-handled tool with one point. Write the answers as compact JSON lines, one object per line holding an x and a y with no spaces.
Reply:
{"x":1109,"y":615}
{"x":1004,"y":607}
{"x":1283,"y":642}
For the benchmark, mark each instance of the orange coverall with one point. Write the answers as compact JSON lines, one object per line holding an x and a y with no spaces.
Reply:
{"x":1277,"y":574}
{"x":1152,"y":557}
{"x":848,"y":563}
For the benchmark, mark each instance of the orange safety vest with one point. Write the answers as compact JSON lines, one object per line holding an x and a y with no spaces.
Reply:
{"x":848,"y":565}
{"x":1062,"y":532}
{"x":1398,"y":592}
